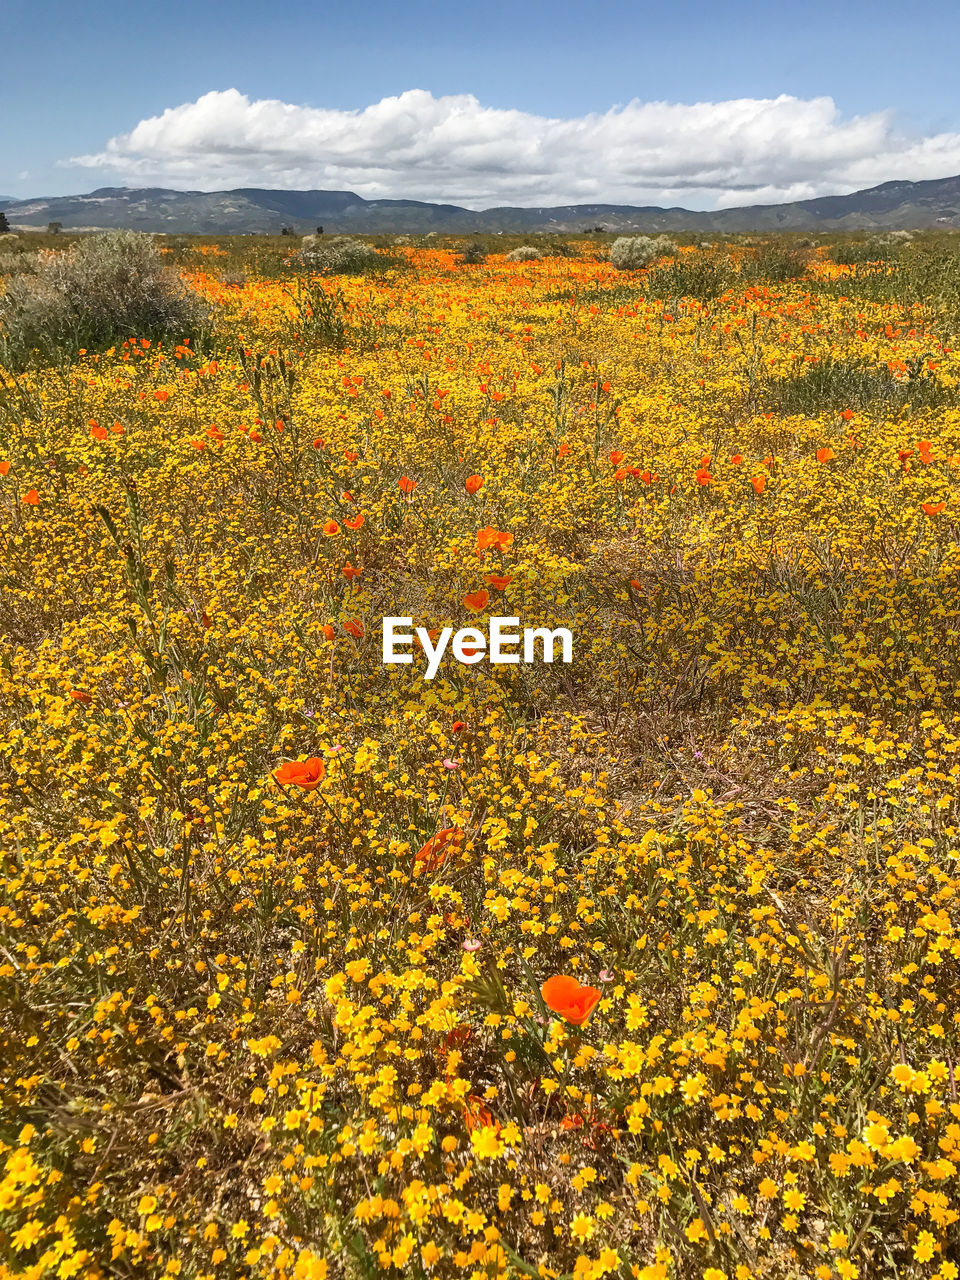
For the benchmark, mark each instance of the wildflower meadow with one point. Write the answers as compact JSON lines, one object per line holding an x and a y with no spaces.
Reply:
{"x":643,"y":965}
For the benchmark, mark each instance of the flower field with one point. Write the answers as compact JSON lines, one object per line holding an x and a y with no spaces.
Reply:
{"x":643,"y":966}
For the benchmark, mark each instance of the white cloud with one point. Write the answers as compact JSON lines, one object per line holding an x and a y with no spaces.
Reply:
{"x":747,"y":150}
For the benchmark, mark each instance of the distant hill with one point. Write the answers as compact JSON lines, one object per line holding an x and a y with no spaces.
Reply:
{"x":892,"y":205}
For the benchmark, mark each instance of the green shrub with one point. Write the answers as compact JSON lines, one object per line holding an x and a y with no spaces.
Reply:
{"x":831,"y":384}
{"x":473,"y":254}
{"x":101,"y":290}
{"x":345,"y":256}
{"x":694,"y":275}
{"x":630,"y":253}
{"x":775,"y":262}
{"x":524,"y":253}
{"x":856,"y":252}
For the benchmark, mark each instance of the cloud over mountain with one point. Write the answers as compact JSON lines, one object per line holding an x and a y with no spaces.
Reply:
{"x":453,"y":148}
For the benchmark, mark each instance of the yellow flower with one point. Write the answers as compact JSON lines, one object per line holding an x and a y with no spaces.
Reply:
{"x":486,"y":1143}
{"x":924,"y":1248}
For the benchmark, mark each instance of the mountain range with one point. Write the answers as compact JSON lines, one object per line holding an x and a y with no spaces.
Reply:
{"x":890,"y":206}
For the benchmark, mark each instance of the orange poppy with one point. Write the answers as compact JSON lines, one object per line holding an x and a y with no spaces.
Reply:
{"x":499,"y":580}
{"x":476,"y":600}
{"x":437,"y":850}
{"x":328,"y":631}
{"x":477,"y":1116}
{"x":162,"y":396}
{"x":79,"y":696}
{"x":306,"y":774}
{"x":98,"y":432}
{"x":355,"y":523}
{"x":703,"y":476}
{"x":473,"y":484}
{"x":825,"y":455}
{"x":4,"y":468}
{"x":350,"y":572}
{"x":331,"y":528}
{"x":933,"y":508}
{"x":616,"y":457}
{"x":354,"y":627}
{"x":31,"y":498}
{"x":407,"y":485}
{"x":759,"y":483}
{"x":490,"y":537}
{"x":458,"y":726}
{"x":736,"y":459}
{"x":565,"y":996}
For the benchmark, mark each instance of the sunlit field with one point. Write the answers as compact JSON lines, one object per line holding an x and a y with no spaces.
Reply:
{"x":646,"y":965}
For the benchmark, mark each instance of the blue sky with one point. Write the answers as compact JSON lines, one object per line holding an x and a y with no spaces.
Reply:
{"x":76,"y":77}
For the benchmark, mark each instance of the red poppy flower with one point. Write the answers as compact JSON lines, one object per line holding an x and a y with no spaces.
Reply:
{"x":477,"y":1115}
{"x":490,"y":537}
{"x":565,"y":996}
{"x":476,"y":600}
{"x":437,"y":850}
{"x":354,"y":628}
{"x":407,"y":485}
{"x":306,"y":774}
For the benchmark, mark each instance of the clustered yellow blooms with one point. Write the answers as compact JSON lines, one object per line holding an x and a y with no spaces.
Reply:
{"x":240,"y":1035}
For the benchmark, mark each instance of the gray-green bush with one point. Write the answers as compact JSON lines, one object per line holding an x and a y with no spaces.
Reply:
{"x":630,"y":253}
{"x":101,"y":290}
{"x":345,"y":256}
{"x":524,"y":253}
